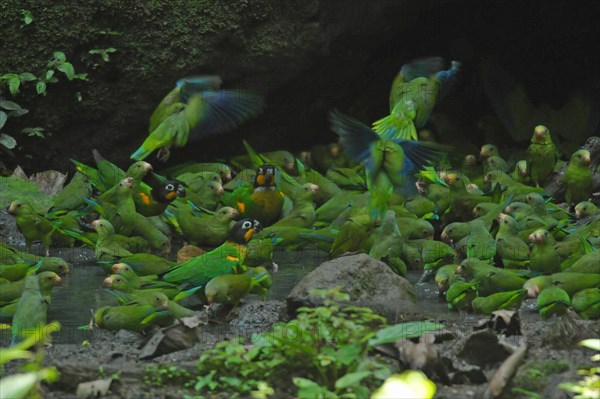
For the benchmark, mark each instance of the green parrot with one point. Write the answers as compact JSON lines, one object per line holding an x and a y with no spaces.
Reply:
{"x":110,"y":174}
{"x":491,"y":279}
{"x":455,"y":232}
{"x":174,"y":310}
{"x":133,"y":317}
{"x":585,"y":208}
{"x":460,"y":294}
{"x":303,"y":213}
{"x":588,"y":263}
{"x":578,"y":178}
{"x":512,"y":188}
{"x":119,"y":283}
{"x":145,"y":264}
{"x":327,"y":188}
{"x":264,"y":201}
{"x":445,"y":276}
{"x":46,"y":280}
{"x":221,"y":169}
{"x":107,"y":248}
{"x":412,"y":228}
{"x":145,"y":228}
{"x":204,"y":193}
{"x":571,"y":282}
{"x":520,"y":173}
{"x":227,"y":289}
{"x":136,"y":281}
{"x":353,"y":234}
{"x":326,"y":156}
{"x":390,"y":162}
{"x":33,"y":226}
{"x":541,"y":155}
{"x":478,"y":244}
{"x":587,"y":303}
{"x":335,"y":206}
{"x":281,"y":158}
{"x":17,"y":271}
{"x":71,"y":197}
{"x":494,"y":163}
{"x":48,"y":263}
{"x":32,"y":311}
{"x":487,"y":151}
{"x":194,"y":109}
{"x":117,"y":206}
{"x":513,"y":251}
{"x":415,"y":91}
{"x":547,"y":211}
{"x":499,"y":300}
{"x":553,"y":301}
{"x":260,"y":251}
{"x":10,"y":291}
{"x":543,"y":257}
{"x":421,"y":206}
{"x":209,"y":230}
{"x":388,"y":244}
{"x":228,"y":258}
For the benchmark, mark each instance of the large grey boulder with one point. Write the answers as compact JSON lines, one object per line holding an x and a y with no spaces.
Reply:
{"x":369,"y":282}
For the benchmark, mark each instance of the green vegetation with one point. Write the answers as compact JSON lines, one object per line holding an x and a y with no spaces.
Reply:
{"x":589,"y":387}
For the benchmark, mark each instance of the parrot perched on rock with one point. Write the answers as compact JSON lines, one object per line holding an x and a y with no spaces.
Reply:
{"x":134,"y":316}
{"x":415,"y":91}
{"x":587,"y":303}
{"x":390,"y":162}
{"x":543,"y":257}
{"x":585,"y":208}
{"x":578,"y":178}
{"x":73,"y":195}
{"x":194,"y":109}
{"x":499,"y":300}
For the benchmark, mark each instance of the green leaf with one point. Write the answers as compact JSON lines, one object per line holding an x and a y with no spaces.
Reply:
{"x":111,"y":50}
{"x":18,"y":112}
{"x":49,"y":74}
{"x":40,"y":87}
{"x":18,"y":386}
{"x":404,"y":330}
{"x":27,"y":16}
{"x":7,"y":141}
{"x":81,"y":76}
{"x":67,"y":69}
{"x":591,"y":343}
{"x":105,"y":57}
{"x":78,"y":97}
{"x":13,"y":84}
{"x":351,"y":379}
{"x":348,"y":353}
{"x":53,"y":79}
{"x":3,"y":119}
{"x":9,"y":105}
{"x":59,"y":56}
{"x":95,"y":51}
{"x":27,"y":76}
{"x":33,"y":131}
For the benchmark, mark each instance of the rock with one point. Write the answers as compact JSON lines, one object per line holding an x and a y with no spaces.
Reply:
{"x":257,"y":316}
{"x":483,"y":349}
{"x":369,"y":282}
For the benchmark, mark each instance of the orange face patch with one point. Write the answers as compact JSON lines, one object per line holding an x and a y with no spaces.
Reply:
{"x":171,"y":196}
{"x":231,"y":257}
{"x":241,"y":207}
{"x":145,"y":198}
{"x":248,"y":235}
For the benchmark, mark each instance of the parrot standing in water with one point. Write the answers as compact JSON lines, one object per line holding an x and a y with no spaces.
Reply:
{"x":390,"y":162}
{"x":414,"y":93}
{"x":196,"y":108}
{"x":541,"y":155}
{"x":32,"y":311}
{"x":578,"y":178}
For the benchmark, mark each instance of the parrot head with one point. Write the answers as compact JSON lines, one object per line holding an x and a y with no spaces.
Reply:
{"x":266,"y":176}
{"x":583,"y":209}
{"x":469,"y":160}
{"x":168,"y":191}
{"x":228,"y":213}
{"x":216,"y":187}
{"x":581,"y":157}
{"x":160,"y":301}
{"x":119,"y":268}
{"x":49,"y":279}
{"x":19,"y":207}
{"x":541,"y":135}
{"x":103,"y":226}
{"x":242,"y":232}
{"x":305,"y":157}
{"x":539,"y":236}
{"x":522,"y":168}
{"x":487,"y":151}
{"x":114,"y":281}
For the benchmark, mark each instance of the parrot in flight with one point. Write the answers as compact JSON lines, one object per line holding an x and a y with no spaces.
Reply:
{"x":196,"y":108}
{"x":390,"y":161}
{"x":414,"y":93}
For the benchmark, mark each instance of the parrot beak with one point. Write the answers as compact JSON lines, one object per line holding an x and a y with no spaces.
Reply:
{"x":532,"y":237}
{"x":290,"y":166}
{"x":501,"y":216}
{"x":227,"y":176}
{"x":334,"y":150}
{"x":95,"y":224}
{"x":507,"y":210}
{"x":314,"y":188}
{"x":147,"y":167}
{"x":234,"y":213}
{"x":181,"y":191}
{"x":164,"y":306}
{"x":587,"y":161}
{"x":578,"y":213}
{"x":12,"y":209}
{"x":107,"y":282}
{"x":249,"y":234}
{"x":58,"y":280}
{"x":220,"y":190}
{"x":444,"y":236}
{"x":533,"y":292}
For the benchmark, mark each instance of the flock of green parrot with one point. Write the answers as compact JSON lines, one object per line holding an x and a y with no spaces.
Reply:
{"x":480,"y":225}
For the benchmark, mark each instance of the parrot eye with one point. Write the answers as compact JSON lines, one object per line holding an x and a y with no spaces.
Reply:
{"x":170,"y":187}
{"x":247,"y":224}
